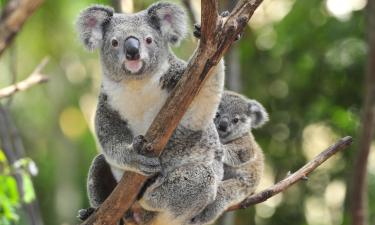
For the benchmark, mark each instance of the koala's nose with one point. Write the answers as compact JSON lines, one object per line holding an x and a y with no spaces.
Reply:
{"x":223,"y":125}
{"x":131,"y":48}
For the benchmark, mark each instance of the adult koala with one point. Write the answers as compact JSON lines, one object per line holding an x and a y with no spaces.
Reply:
{"x":139,"y":72}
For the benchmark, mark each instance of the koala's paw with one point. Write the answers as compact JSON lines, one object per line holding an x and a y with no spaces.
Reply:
{"x":225,"y":14}
{"x":83,"y":214}
{"x":141,"y":145}
{"x":144,"y":161}
{"x":197,"y":30}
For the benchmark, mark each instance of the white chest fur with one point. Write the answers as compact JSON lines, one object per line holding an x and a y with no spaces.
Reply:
{"x":137,"y":101}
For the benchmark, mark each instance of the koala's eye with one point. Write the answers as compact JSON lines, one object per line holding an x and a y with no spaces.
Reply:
{"x":149,"y":40}
{"x":217,"y":115}
{"x":114,"y":42}
{"x":235,"y":120}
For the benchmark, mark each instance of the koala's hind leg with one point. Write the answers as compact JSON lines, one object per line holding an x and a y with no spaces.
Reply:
{"x":230,"y":192}
{"x":100,"y":183}
{"x":181,"y":194}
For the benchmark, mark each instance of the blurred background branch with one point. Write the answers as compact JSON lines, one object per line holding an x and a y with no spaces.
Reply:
{"x":126,"y":6}
{"x":35,"y":78}
{"x":360,"y":175}
{"x":191,"y":12}
{"x":14,"y":15}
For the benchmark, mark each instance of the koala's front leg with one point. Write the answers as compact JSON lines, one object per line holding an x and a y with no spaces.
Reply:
{"x":229,"y":193}
{"x":118,"y":145}
{"x":204,"y":106}
{"x":236,"y":154}
{"x":100,"y":183}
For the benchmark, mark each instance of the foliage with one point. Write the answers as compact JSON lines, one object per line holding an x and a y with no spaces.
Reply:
{"x":9,"y":197}
{"x":9,"y":192}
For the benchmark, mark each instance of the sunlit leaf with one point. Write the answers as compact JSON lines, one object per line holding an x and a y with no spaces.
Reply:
{"x":28,"y":190}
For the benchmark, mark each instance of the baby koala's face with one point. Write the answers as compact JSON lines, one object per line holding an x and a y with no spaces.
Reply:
{"x":231,"y":122}
{"x":237,"y":115}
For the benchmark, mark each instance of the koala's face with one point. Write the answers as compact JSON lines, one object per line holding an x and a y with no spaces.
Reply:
{"x":132,"y":46}
{"x":237,"y":115}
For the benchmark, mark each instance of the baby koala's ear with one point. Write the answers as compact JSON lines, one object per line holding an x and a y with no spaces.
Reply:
{"x":90,"y":24}
{"x":170,"y":19}
{"x":257,"y":113}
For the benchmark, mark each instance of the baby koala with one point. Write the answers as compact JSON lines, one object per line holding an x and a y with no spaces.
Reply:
{"x":243,"y":158}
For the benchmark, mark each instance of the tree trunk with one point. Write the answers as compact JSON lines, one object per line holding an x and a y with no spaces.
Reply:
{"x":359,"y":195}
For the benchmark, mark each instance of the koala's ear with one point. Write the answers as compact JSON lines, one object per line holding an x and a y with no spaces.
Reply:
{"x":90,"y":25}
{"x":170,"y":19}
{"x":258,"y":114}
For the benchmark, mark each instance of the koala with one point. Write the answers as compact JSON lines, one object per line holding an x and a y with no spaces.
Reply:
{"x":139,"y":71}
{"x":243,"y":158}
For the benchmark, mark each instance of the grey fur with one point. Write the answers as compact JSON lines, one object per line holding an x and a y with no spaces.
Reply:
{"x":115,"y":136}
{"x":101,"y":181}
{"x":172,"y":76}
{"x":249,"y":113}
{"x":98,"y":26}
{"x":186,"y":173}
{"x":243,"y":158}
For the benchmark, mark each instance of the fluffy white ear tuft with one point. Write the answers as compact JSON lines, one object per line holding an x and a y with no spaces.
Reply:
{"x":258,"y":114}
{"x":90,"y":25}
{"x":170,"y":19}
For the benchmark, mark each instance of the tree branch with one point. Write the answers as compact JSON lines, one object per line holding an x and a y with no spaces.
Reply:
{"x":295,"y":177}
{"x":13,"y":17}
{"x":217,"y":36}
{"x":191,"y":12}
{"x":35,"y":78}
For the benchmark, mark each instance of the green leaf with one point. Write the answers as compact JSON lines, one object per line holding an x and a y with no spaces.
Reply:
{"x":2,"y":156}
{"x":28,"y":189}
{"x":9,"y":199}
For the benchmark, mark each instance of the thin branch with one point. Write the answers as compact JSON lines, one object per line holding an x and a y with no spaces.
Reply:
{"x":295,"y":177}
{"x":217,"y":36}
{"x":15,"y":14}
{"x":359,"y":203}
{"x":191,"y":11}
{"x":35,"y":78}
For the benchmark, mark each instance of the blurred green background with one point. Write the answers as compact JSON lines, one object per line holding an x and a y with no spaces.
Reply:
{"x":304,"y":60}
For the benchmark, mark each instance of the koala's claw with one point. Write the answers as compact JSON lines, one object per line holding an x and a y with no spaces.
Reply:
{"x":194,"y":221}
{"x":198,"y":33}
{"x":238,"y":37}
{"x":144,"y":160}
{"x":138,"y":142}
{"x":83,"y":214}
{"x":150,"y":167}
{"x":197,"y":30}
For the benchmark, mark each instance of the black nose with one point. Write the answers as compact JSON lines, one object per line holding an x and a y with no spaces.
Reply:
{"x":131,"y":48}
{"x":223,"y":125}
